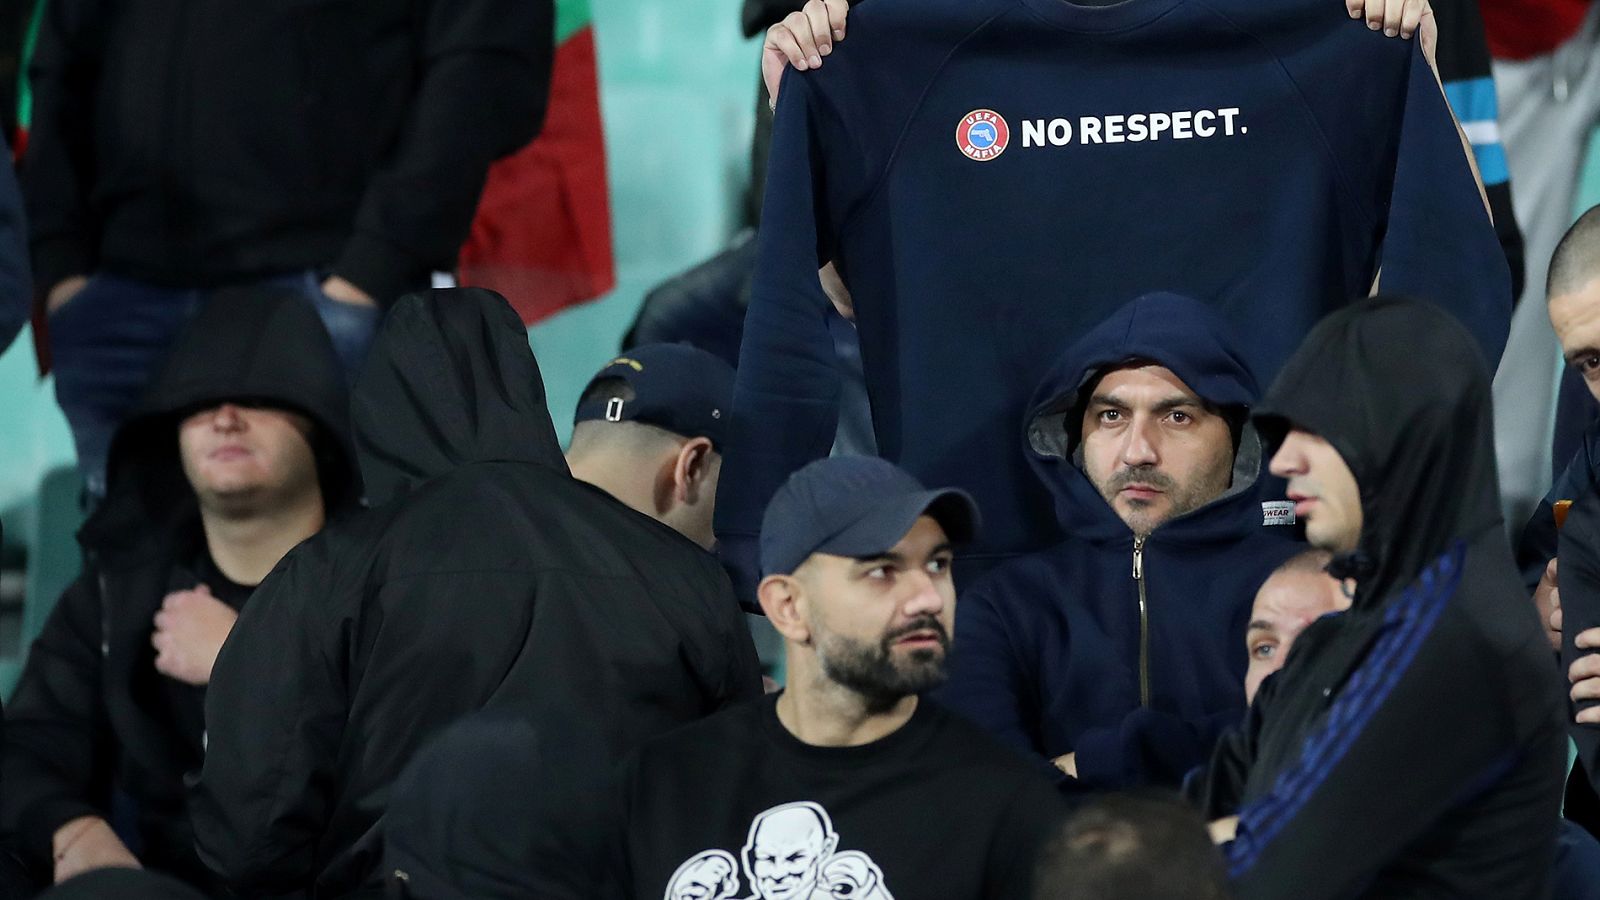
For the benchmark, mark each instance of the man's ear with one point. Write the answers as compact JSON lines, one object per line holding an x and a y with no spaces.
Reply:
{"x":692,"y":472}
{"x":783,"y":600}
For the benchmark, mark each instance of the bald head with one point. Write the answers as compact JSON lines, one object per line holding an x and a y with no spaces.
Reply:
{"x":1297,"y":594}
{"x":1574,"y":298}
{"x":1577,"y":258}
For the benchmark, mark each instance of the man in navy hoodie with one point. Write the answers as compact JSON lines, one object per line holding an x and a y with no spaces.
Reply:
{"x":1115,"y":653}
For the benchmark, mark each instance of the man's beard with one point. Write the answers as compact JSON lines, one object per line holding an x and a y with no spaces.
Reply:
{"x":872,"y":671}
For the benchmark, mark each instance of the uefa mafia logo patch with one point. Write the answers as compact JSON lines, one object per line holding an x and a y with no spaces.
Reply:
{"x":983,"y":135}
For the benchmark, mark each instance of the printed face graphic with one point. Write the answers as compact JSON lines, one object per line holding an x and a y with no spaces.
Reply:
{"x":788,"y":845}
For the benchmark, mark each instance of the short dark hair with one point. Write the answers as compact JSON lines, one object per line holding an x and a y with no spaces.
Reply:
{"x":1576,"y":261}
{"x":1146,"y":845}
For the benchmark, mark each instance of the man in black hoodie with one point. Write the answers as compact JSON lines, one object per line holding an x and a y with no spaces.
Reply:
{"x":242,"y":450}
{"x":1360,"y":770}
{"x":490,"y":580}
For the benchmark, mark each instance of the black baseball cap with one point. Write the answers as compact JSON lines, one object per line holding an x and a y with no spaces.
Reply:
{"x":678,"y":387}
{"x":854,"y":506}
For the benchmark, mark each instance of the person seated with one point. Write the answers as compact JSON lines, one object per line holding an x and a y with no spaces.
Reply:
{"x":649,"y":431}
{"x":844,"y":784}
{"x":241,"y":451}
{"x":1115,"y":653}
{"x":488,"y":579}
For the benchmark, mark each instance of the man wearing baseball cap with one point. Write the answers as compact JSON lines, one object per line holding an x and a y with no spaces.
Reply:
{"x":844,"y":783}
{"x":649,"y":432}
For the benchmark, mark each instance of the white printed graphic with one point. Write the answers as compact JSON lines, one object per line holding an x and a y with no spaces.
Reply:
{"x":789,"y":855}
{"x":1134,"y":128}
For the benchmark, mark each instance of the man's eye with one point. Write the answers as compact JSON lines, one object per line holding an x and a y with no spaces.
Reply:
{"x":1263,"y":650}
{"x":1589,"y":365}
{"x":1179,"y":417}
{"x":939,"y":565}
{"x":878,"y":572}
{"x":1108,"y":416}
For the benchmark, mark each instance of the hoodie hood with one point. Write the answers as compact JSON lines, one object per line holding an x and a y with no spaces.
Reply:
{"x":451,"y":380}
{"x":1400,"y":389}
{"x":256,"y":343}
{"x":1182,"y":334}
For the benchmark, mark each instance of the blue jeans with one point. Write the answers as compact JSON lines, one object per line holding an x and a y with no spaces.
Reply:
{"x":107,"y":341}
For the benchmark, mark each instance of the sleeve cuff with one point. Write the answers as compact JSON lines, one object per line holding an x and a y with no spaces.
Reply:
{"x":39,"y":822}
{"x":380,"y":268}
{"x":56,"y":259}
{"x":1100,"y":758}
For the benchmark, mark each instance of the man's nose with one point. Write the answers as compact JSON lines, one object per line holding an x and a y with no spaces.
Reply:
{"x":1140,"y":448}
{"x":925,"y":599}
{"x":1285,"y":462}
{"x":228,"y":417}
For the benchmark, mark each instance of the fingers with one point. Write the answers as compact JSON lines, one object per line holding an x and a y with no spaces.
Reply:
{"x":1587,"y":640}
{"x":838,"y":12}
{"x":816,"y":13}
{"x":781,"y":39}
{"x":1555,"y":620}
{"x":1355,"y":8}
{"x":1411,"y":17}
{"x":1587,"y":689}
{"x":1584,"y":667}
{"x":799,"y":26}
{"x":1552,"y":571}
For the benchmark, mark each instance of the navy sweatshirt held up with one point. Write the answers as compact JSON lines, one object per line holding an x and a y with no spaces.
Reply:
{"x":1128,"y":652}
{"x":993,"y":177}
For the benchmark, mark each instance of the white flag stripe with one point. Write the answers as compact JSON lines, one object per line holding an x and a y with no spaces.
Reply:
{"x":1480,"y":133}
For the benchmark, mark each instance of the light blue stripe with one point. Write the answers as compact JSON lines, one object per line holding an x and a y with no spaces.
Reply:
{"x":1473,"y":100}
{"x":1492,"y":163}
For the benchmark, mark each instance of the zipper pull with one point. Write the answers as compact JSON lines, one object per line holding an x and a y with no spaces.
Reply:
{"x":1138,"y":558}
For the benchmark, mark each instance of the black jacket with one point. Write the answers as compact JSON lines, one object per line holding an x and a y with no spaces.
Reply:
{"x":92,"y":725}
{"x":495,"y":581}
{"x":1412,"y":746}
{"x":14,"y":274}
{"x":193,"y":144}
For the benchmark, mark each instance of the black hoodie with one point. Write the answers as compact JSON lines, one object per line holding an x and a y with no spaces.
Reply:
{"x":492,"y":580}
{"x":1412,"y":746}
{"x":94,"y":729}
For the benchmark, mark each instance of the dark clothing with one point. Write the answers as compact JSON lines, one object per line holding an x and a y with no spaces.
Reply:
{"x":122,"y":884}
{"x":95,"y":729}
{"x":195,"y":146}
{"x":14,"y":277}
{"x":935,"y":809}
{"x":468,"y":817}
{"x":1539,"y":537}
{"x":1580,"y":608}
{"x":491,"y":580}
{"x":1128,"y":652}
{"x":1462,"y":57}
{"x":1338,"y":776}
{"x":1276,"y":197}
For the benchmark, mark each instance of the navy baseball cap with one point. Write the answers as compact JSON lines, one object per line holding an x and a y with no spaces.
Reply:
{"x":680,"y":388}
{"x":855,"y":506}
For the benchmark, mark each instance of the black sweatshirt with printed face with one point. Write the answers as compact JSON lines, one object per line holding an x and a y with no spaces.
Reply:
{"x":736,"y":806}
{"x":1412,"y":746}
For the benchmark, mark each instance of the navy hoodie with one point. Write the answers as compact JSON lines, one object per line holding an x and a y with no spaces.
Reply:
{"x":1065,"y":650}
{"x":993,"y":177}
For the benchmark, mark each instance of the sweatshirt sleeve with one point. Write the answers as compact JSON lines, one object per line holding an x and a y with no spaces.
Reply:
{"x":57,"y":764}
{"x":1538,"y":543}
{"x":275,"y":715}
{"x":1438,"y":243}
{"x":786,"y":396}
{"x":1368,"y":781}
{"x":58,"y":167}
{"x":483,"y":84}
{"x":988,"y":685}
{"x":1580,"y":608}
{"x":1148,"y":747}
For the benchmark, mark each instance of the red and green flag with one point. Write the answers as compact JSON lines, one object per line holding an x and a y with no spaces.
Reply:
{"x":542,"y":235}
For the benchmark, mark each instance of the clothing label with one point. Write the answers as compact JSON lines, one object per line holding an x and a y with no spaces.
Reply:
{"x":1277,"y":512}
{"x":789,"y":855}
